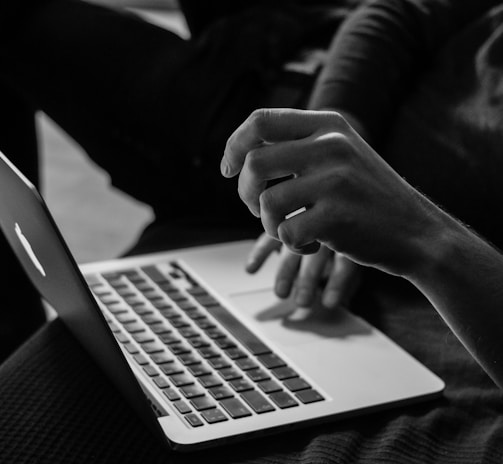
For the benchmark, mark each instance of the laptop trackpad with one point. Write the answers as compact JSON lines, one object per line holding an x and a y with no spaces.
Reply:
{"x":285,"y":324}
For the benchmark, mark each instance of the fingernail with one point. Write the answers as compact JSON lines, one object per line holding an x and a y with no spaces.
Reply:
{"x":303,"y":297}
{"x":330,"y":299}
{"x":282,"y":288}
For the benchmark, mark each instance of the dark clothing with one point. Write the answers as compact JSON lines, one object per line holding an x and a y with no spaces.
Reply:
{"x":155,"y":110}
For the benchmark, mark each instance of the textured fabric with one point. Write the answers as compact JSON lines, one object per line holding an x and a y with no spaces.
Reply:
{"x":56,"y":406}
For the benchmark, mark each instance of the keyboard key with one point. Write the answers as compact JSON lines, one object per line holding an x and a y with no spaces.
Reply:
{"x":192,"y":391}
{"x":202,"y":403}
{"x":142,"y":309}
{"x":283,"y":400}
{"x":195,"y":313}
{"x":171,"y":368}
{"x":219,"y":362}
{"x":230,"y":373}
{"x":212,"y":416}
{"x":141,"y":359}
{"x":236,"y":353}
{"x":153,"y":347}
{"x":179,"y":348}
{"x":134,"y":327}
{"x":215,"y":333}
{"x":257,"y":375}
{"x":171,"y":394}
{"x":180,"y":380}
{"x":188,"y":332}
{"x":182,"y":407}
{"x":185,"y":305}
{"x":283,"y":373}
{"x":269,"y":386}
{"x":197,"y":290}
{"x":257,"y":402}
{"x":235,"y":408}
{"x":151,"y":319}
{"x":236,"y":328}
{"x":179,"y":322}
{"x":175,"y":295}
{"x":271,"y":360}
{"x":161,"y":382}
{"x":113,"y":326}
{"x":225,"y":343}
{"x":118,"y":308}
{"x":296,"y":384}
{"x":198,"y":370}
{"x":309,"y":396}
{"x":241,"y":385}
{"x":188,"y":359}
{"x":169,"y":338}
{"x":208,"y":352}
{"x":246,"y":364}
{"x":131,"y":348}
{"x":123,"y":338}
{"x":208,"y":381}
{"x":168,"y":311}
{"x":193,"y":420}
{"x":143,"y":337}
{"x":163,"y":327}
{"x":220,"y":393}
{"x":126,"y":318}
{"x":161,"y":358}
{"x":204,"y":323}
{"x":150,"y":370}
{"x":205,"y":300}
{"x":198,"y":342}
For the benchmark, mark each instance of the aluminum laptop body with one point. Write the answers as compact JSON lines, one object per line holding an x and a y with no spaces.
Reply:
{"x":205,"y":353}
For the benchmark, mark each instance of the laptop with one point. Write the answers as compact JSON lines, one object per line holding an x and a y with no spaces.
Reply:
{"x":205,"y":353}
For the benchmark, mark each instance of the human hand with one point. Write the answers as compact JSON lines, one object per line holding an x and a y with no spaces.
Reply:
{"x":305,"y":275}
{"x":354,"y":202}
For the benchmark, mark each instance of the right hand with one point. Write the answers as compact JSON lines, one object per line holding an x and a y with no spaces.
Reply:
{"x":335,"y":275}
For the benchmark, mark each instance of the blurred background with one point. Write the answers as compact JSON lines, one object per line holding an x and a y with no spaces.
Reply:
{"x":98,"y":222}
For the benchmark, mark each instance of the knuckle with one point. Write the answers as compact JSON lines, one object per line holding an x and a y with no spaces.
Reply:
{"x":288,"y":237}
{"x":260,"y":118}
{"x":267,"y":200}
{"x":254,"y":163}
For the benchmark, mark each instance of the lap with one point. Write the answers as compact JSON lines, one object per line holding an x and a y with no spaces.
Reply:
{"x":56,"y":406}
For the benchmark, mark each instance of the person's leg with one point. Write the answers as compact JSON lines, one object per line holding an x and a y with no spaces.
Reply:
{"x":21,"y":312}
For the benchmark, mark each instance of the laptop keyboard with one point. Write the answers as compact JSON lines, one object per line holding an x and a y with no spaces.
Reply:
{"x":205,"y":362}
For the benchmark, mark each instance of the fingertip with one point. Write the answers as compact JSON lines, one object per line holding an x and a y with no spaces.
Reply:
{"x":331,"y":299}
{"x":304,"y":298}
{"x":282,"y":288}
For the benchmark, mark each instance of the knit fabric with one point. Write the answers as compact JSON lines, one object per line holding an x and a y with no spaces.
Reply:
{"x":57,"y":406}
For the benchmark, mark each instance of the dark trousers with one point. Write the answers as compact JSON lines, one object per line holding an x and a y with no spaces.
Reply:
{"x":150,"y":108}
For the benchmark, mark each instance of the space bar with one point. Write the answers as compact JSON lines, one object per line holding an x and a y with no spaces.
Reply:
{"x":236,"y":328}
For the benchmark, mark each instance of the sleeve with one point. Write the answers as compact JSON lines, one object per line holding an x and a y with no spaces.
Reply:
{"x":381,"y":49}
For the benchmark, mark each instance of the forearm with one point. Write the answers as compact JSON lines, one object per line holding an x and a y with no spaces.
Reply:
{"x":381,"y":50}
{"x":462,"y":276}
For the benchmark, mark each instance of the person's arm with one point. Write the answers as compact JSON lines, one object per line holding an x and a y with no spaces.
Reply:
{"x":358,"y":205}
{"x":379,"y":52}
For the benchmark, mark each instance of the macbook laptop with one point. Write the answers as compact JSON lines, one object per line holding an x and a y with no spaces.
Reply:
{"x":205,"y":353}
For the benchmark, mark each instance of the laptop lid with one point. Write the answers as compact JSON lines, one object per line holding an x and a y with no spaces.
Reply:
{"x":34,"y":237}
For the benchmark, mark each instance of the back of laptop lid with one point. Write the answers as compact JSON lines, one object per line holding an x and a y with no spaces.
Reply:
{"x":39,"y":246}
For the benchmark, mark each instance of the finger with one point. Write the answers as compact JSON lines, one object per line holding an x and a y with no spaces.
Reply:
{"x":299,"y":233}
{"x":342,"y":282}
{"x":261,"y":250}
{"x":283,"y":201}
{"x":287,"y":273}
{"x":310,"y":275}
{"x":269,"y":126}
{"x":270,"y":162}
